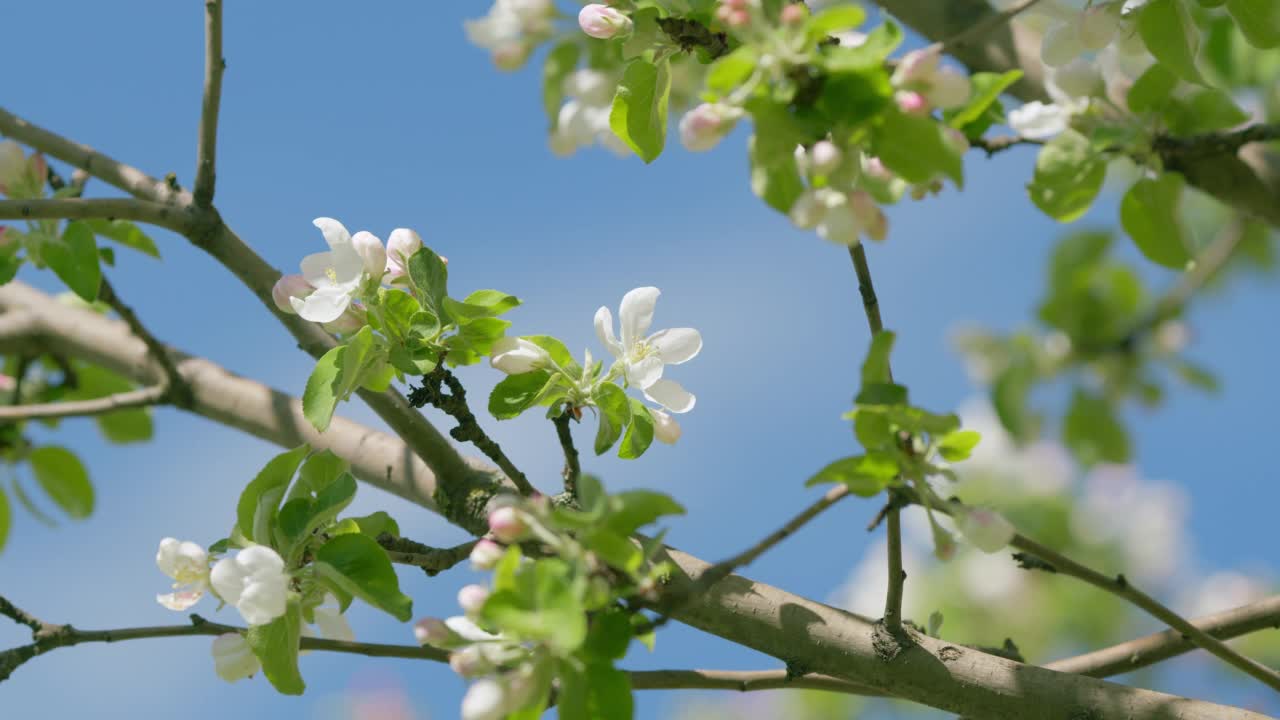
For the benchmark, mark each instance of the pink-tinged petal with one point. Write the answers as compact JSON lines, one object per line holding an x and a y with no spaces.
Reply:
{"x":670,"y":395}
{"x":180,"y":601}
{"x":636,"y":314}
{"x":322,"y":306}
{"x":334,"y":232}
{"x":644,"y":373}
{"x":604,"y":331}
{"x":677,"y":345}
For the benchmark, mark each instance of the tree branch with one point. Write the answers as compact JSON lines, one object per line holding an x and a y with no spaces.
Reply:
{"x":141,"y":397}
{"x":433,"y":561}
{"x":175,"y":386}
{"x":572,"y":467}
{"x":214,"y":65}
{"x":165,"y":216}
{"x":742,"y":681}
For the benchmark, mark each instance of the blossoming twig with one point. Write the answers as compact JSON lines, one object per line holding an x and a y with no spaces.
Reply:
{"x":1121,"y":587}
{"x":468,"y":430}
{"x":177,"y":391}
{"x":97,"y":406}
{"x":572,"y":468}
{"x":214,"y":64}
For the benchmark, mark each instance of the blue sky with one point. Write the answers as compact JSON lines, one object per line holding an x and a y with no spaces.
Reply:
{"x":382,"y":116}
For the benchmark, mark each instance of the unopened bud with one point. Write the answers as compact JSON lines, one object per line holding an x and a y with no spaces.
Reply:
{"x":470,"y":662}
{"x":603,"y":22}
{"x":486,"y":554}
{"x":794,"y":14}
{"x":911,"y":102}
{"x":824,"y":156}
{"x":471,"y":599}
{"x":665,"y":427}
{"x":703,"y":127}
{"x":290,"y":286}
{"x":916,"y":67}
{"x":513,"y":356}
{"x":432,"y":631}
{"x":507,"y":525}
{"x":370,"y":249}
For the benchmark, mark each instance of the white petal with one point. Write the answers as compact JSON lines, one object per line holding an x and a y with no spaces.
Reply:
{"x":486,"y":699}
{"x":1060,"y":45}
{"x":315,"y":269}
{"x":260,"y":561}
{"x":233,"y":659}
{"x":671,"y":396}
{"x":334,"y":232}
{"x":333,"y":624}
{"x":636,"y":314}
{"x":677,"y":345}
{"x":644,"y":373}
{"x":468,"y":630}
{"x":180,"y":600}
{"x":604,"y":331}
{"x":1039,"y":120}
{"x":263,"y":601}
{"x":372,"y":253}
{"x":228,"y":580}
{"x":322,"y":306}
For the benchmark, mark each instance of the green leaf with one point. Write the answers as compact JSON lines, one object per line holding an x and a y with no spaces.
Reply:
{"x":639,"y":433}
{"x":374,"y":524}
{"x":560,"y":354}
{"x":916,"y":148}
{"x":260,"y":500}
{"x":1172,"y":36}
{"x":1204,"y":111}
{"x":1149,"y":214}
{"x":1152,"y":89}
{"x":631,"y":510}
{"x":358,"y":565}
{"x":74,"y":259}
{"x":882,"y":394}
{"x":516,"y":393}
{"x":958,"y":445}
{"x":1009,"y":395}
{"x":1068,"y":176}
{"x":986,"y":91}
{"x":731,"y":70}
{"x":495,"y":302}
{"x":598,"y":691}
{"x":615,"y":413}
{"x":777,"y":181}
{"x":544,"y":604}
{"x":430,"y":279}
{"x":63,"y":479}
{"x":864,"y":475}
{"x":1093,"y":432}
{"x":639,"y":114}
{"x":276,"y":646}
{"x":875,"y":368}
{"x":125,"y":233}
{"x":320,"y":470}
{"x":835,"y":19}
{"x":1258,"y":20}
{"x":871,"y":53}
{"x":871,"y":427}
{"x":560,"y":62}
{"x":342,"y":370}
{"x":6,"y":518}
{"x":609,"y":636}
{"x":323,"y":390}
{"x":330,"y":501}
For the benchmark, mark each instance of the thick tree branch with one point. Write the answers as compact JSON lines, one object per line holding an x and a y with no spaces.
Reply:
{"x":214,"y":65}
{"x":165,"y":216}
{"x":141,"y":397}
{"x":1249,"y":182}
{"x":742,"y":681}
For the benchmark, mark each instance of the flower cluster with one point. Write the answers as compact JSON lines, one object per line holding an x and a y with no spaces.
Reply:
{"x":511,"y":30}
{"x":921,"y":85}
{"x":253,"y":581}
{"x":331,"y":283}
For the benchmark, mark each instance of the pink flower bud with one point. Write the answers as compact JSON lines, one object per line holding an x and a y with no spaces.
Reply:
{"x":984,"y":528}
{"x":290,"y":286}
{"x":911,"y":102}
{"x":824,"y":156}
{"x":507,"y":525}
{"x":471,"y":599}
{"x":603,"y":22}
{"x":739,"y":18}
{"x":875,"y":169}
{"x":401,"y":246}
{"x":432,"y":631}
{"x":7,"y":382}
{"x":794,"y":14}
{"x":370,"y":249}
{"x":703,"y":127}
{"x":916,"y":67}
{"x":486,"y":554}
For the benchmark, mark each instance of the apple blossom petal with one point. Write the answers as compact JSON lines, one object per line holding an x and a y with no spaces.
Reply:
{"x":334,"y":232}
{"x":604,"y":331}
{"x":315,"y":269}
{"x":644,"y":373}
{"x":233,"y":659}
{"x":322,"y":306}
{"x":180,"y":600}
{"x":636,"y":314}
{"x":677,"y":345}
{"x":467,"y":629}
{"x":670,"y":395}
{"x":333,"y":624}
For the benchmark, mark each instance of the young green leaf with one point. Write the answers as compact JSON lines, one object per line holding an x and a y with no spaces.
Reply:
{"x":429,"y":277}
{"x":1149,"y":214}
{"x":6,"y":517}
{"x":323,"y":390}
{"x":358,"y":565}
{"x":958,"y":445}
{"x":276,"y":646}
{"x":517,"y":393}
{"x":1258,"y":20}
{"x":864,"y":475}
{"x":126,"y":233}
{"x":639,"y":114}
{"x":74,"y":258}
{"x":615,"y":413}
{"x":599,"y":690}
{"x":875,"y":368}
{"x":916,"y":148}
{"x":639,"y":433}
{"x":63,"y":479}
{"x":1093,"y":432}
{"x":1152,"y":89}
{"x":1067,"y":178}
{"x":1172,"y":36}
{"x":260,"y":500}
{"x":986,"y":91}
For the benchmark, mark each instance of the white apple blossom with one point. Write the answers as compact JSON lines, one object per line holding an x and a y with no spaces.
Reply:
{"x":919,"y":72}
{"x":510,"y":30}
{"x":466,"y":629}
{"x":336,"y":275}
{"x":514,"y":355}
{"x":401,"y":246}
{"x":486,"y":699}
{"x":233,"y":659}
{"x":188,"y":564}
{"x":584,"y":119}
{"x":642,"y":358}
{"x":1039,"y":120}
{"x":254,"y":582}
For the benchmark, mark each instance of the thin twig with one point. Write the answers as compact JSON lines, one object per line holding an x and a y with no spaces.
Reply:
{"x":20,"y":616}
{"x":723,"y":569}
{"x":141,"y":397}
{"x":432,"y":560}
{"x":455,"y":405}
{"x":994,"y":145}
{"x":1046,"y":559}
{"x":572,"y":467}
{"x":165,"y":216}
{"x":990,"y":23}
{"x":214,"y":64}
{"x":177,"y":391}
